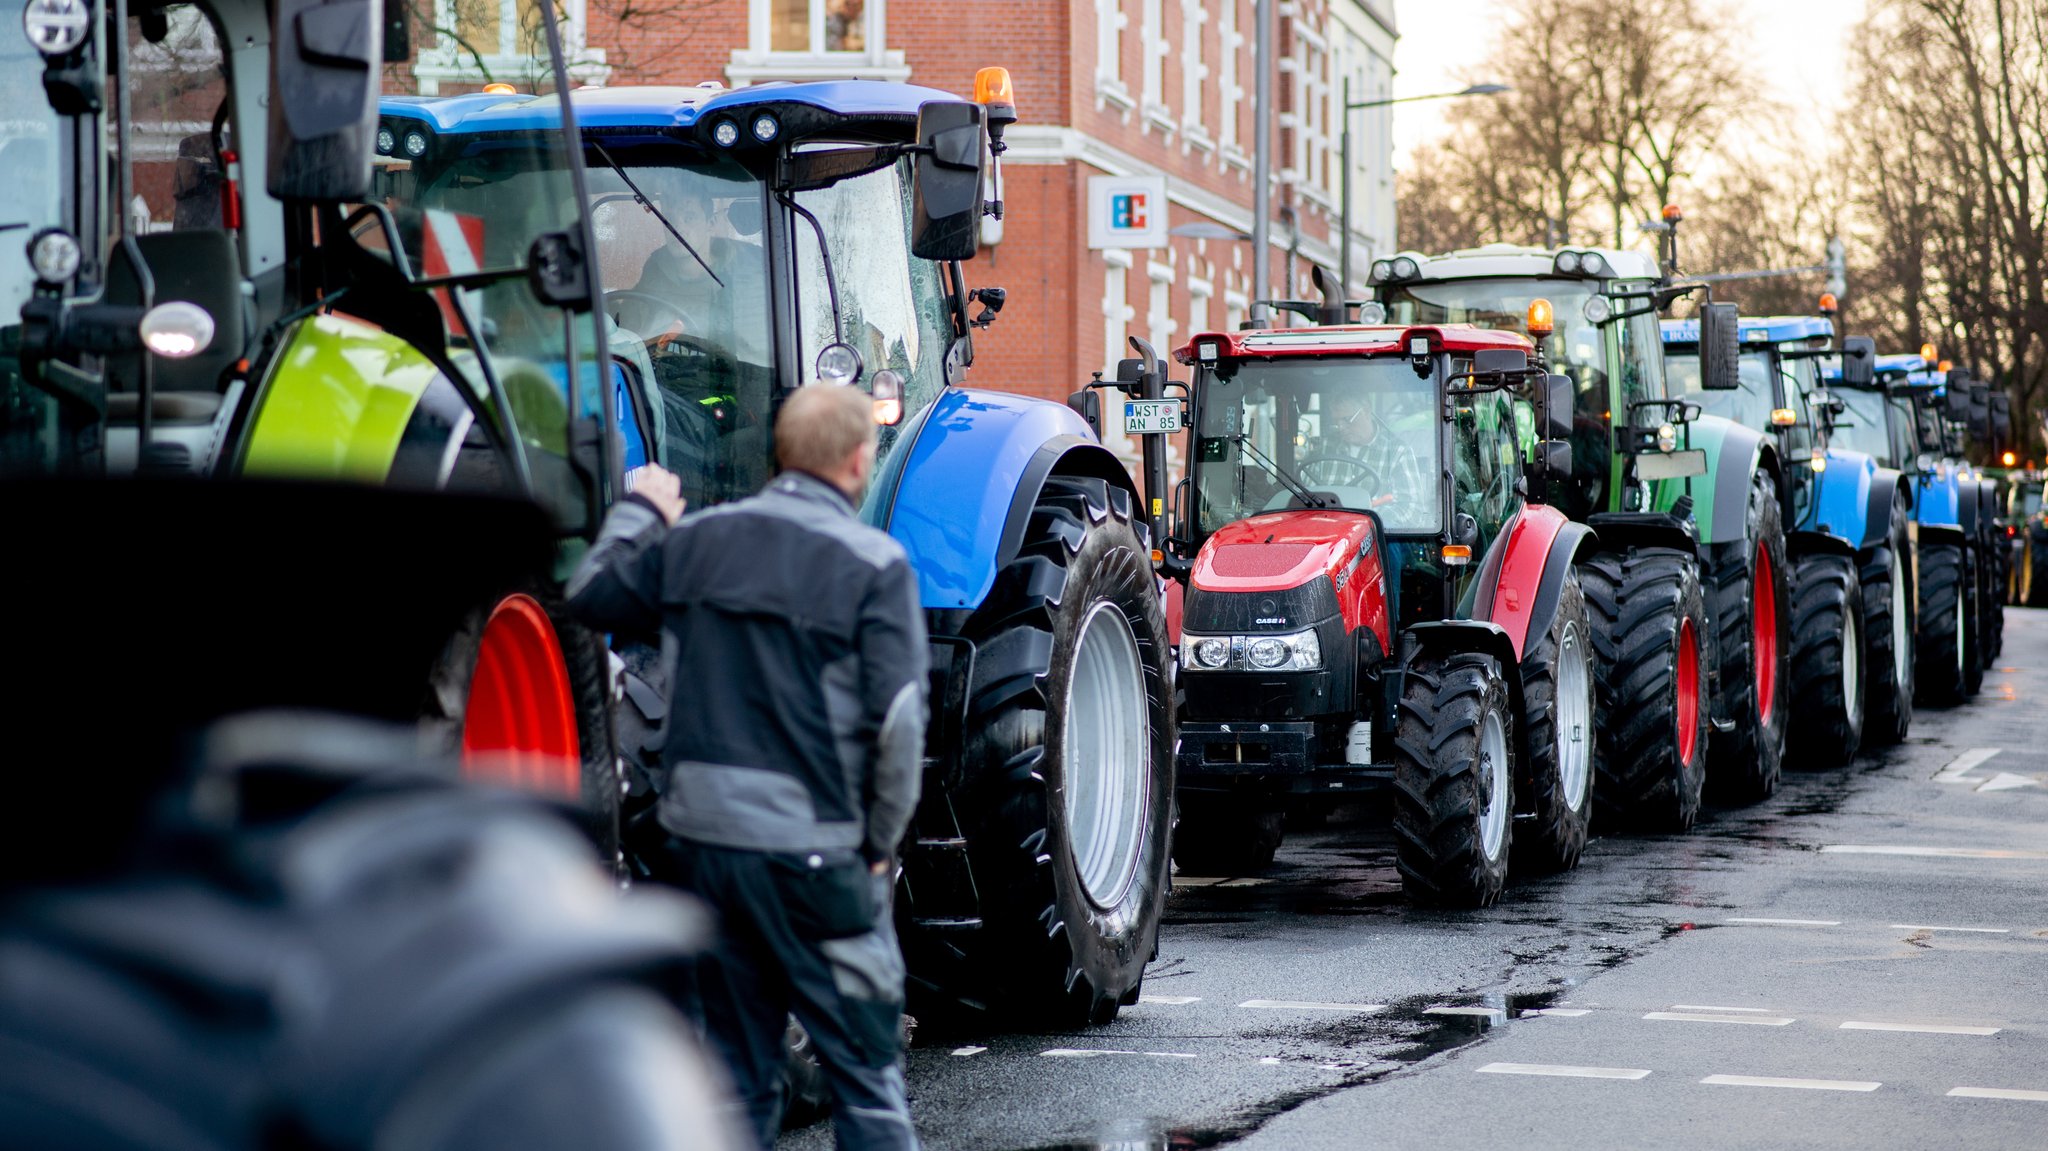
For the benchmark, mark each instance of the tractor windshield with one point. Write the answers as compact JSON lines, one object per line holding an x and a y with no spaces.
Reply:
{"x":1749,"y":405}
{"x":1861,"y":426}
{"x":28,"y":203}
{"x":1360,"y":433}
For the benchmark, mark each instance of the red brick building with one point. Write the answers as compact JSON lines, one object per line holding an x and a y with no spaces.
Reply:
{"x":1159,"y":88}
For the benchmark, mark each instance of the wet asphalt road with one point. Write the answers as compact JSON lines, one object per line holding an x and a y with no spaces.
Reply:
{"x":1860,"y":961}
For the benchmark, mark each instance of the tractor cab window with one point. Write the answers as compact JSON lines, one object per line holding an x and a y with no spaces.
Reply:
{"x":1861,"y":426}
{"x":1749,"y":405}
{"x":1641,"y":348}
{"x":2032,"y":497}
{"x":1484,"y":456}
{"x":892,"y":306}
{"x":1361,"y":434}
{"x":684,"y":275}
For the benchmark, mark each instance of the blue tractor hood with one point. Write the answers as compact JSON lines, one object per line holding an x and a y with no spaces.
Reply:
{"x":890,"y":109}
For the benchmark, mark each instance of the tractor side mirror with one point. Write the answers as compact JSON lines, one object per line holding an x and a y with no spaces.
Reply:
{"x":323,"y":106}
{"x":1957,"y":396}
{"x":397,"y":32}
{"x":1980,"y":410}
{"x":1087,"y":403}
{"x":1720,"y":348}
{"x":2001,"y":417}
{"x":1499,"y":362}
{"x":1557,"y":407}
{"x":1553,"y":461}
{"x":945,"y":209}
{"x":1859,"y":362}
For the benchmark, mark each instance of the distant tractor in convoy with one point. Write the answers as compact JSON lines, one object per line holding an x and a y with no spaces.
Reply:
{"x":2029,"y":525}
{"x":1373,"y":603}
{"x":1685,"y":507}
{"x":1848,"y":536}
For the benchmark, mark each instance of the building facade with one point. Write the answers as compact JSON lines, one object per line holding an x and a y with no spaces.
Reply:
{"x":1156,"y":88}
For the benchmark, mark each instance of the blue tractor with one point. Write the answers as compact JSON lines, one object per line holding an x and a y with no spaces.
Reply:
{"x":1848,"y":535}
{"x":1907,"y":414}
{"x":752,"y":241}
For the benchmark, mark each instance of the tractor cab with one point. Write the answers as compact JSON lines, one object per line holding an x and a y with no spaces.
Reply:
{"x":1361,"y":537}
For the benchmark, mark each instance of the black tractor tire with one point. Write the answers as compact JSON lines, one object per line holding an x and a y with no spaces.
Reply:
{"x":1650,"y":763}
{"x":1047,"y":952}
{"x":2034,"y":574}
{"x":1992,"y":598}
{"x":1557,"y":773}
{"x":587,"y":663}
{"x":1977,"y":655}
{"x":1745,"y":763}
{"x":1889,"y":627}
{"x":1944,"y":647}
{"x":1447,"y":781}
{"x":1224,"y":834}
{"x":1828,"y":680}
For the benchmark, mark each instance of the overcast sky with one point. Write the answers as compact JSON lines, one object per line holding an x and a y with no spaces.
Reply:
{"x":1800,"y":44}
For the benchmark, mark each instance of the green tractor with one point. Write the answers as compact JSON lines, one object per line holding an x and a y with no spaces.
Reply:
{"x":1688,"y":590}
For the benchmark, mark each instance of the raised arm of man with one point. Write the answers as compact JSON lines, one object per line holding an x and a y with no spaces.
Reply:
{"x":617,"y":587}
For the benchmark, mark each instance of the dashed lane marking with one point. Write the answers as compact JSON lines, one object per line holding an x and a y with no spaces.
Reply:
{"x":1170,"y":1000}
{"x":1786,"y":922}
{"x":1976,"y":930}
{"x":1304,"y":1005}
{"x":1564,"y":1070}
{"x":965,"y":1051}
{"x":1564,"y":1012}
{"x":1935,"y":852}
{"x":1998,"y":1093}
{"x":1696,"y":1007}
{"x":1799,"y":1084}
{"x":1092,"y":1052}
{"x":1704,"y":1017}
{"x":1923,"y":1028}
{"x":1957,"y":768}
{"x":2006,"y":781}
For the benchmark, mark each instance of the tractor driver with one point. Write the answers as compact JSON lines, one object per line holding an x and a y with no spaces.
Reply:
{"x":1354,"y":434}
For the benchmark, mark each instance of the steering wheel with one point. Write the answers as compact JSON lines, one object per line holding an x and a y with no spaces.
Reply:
{"x":666,"y":308}
{"x":1355,"y":471}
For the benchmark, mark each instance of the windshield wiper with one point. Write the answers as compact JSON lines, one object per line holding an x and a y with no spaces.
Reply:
{"x":649,"y":205}
{"x":1294,"y":485}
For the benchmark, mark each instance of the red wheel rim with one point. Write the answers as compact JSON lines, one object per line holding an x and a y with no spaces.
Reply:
{"x":1688,"y":691}
{"x":1764,"y":648}
{"x":519,"y":726}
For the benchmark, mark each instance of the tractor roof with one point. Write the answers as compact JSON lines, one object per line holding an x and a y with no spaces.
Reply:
{"x":1351,"y":340}
{"x":1516,"y":260}
{"x":663,"y":107}
{"x":1756,"y":329}
{"x":1899,"y":368}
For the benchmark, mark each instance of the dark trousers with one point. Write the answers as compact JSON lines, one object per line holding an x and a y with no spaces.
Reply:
{"x":848,"y":993}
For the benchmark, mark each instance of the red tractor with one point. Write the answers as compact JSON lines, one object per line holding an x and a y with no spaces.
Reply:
{"x":1376,"y":600}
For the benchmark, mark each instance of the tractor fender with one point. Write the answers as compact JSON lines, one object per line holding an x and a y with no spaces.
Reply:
{"x":1456,"y":636}
{"x":1966,"y":507}
{"x":1734,"y":456}
{"x":1934,"y":497}
{"x":1525,"y":570}
{"x":1841,"y":498}
{"x":1806,"y":542}
{"x":1886,"y":485}
{"x":962,"y":501}
{"x":1621,"y":530}
{"x":1937,"y":534}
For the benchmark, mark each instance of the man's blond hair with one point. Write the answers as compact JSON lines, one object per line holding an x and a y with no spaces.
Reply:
{"x":820,"y":426}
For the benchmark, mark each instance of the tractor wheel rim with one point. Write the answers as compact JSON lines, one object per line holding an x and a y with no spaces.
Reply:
{"x":519,"y":723}
{"x":1900,"y":641}
{"x":1852,"y":668}
{"x":1493,"y":765}
{"x":1574,"y":716}
{"x":1764,"y":644}
{"x":1688,"y":692}
{"x":1105,"y":779}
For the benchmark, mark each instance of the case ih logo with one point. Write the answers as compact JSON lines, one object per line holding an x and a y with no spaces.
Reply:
{"x":1127,"y":210}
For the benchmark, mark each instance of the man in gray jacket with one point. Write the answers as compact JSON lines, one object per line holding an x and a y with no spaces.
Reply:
{"x":793,"y":749}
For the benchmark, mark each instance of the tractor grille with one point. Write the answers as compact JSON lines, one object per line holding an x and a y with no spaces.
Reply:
{"x":1258,"y":561}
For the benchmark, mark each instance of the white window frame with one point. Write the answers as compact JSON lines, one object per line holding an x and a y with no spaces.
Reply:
{"x":1230,"y":46}
{"x":1109,"y":47}
{"x":757,"y":62}
{"x":1194,"y":74}
{"x":447,"y":62}
{"x":1200,"y":293}
{"x":1152,"y":86}
{"x":1159,"y":325}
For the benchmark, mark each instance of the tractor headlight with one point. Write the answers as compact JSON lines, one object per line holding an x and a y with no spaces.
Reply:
{"x":1372,"y":312}
{"x":1382,"y":270}
{"x":386,"y":142}
{"x":1299,"y":651}
{"x":1593,"y":264}
{"x":1208,"y":652}
{"x":1568,"y":263}
{"x":726,"y":133}
{"x":1598,"y":310}
{"x":415,"y":144}
{"x":56,"y":27}
{"x":765,"y":128}
{"x":1667,"y":438}
{"x":1266,"y":654}
{"x":1405,"y":268}
{"x":55,"y":255}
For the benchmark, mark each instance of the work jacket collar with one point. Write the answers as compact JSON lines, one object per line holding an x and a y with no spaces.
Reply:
{"x":804,"y":485}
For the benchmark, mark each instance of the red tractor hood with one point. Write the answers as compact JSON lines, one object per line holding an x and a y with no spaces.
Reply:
{"x":1279,"y":550}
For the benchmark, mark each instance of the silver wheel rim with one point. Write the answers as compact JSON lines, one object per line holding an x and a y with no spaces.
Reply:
{"x":1574,"y":712}
{"x":1899,"y":639}
{"x":1852,"y":670}
{"x":1105,"y":784}
{"x":1493,"y":764}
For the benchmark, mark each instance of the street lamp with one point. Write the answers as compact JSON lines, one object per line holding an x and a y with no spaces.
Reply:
{"x":1344,"y":158}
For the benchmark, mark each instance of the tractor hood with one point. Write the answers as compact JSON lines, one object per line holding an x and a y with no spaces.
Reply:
{"x":1279,"y":551}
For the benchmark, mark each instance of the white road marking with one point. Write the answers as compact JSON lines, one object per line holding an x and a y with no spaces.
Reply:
{"x":1786,"y":922}
{"x":1954,"y":772}
{"x":1998,"y":1093}
{"x":2006,"y":781}
{"x":1564,"y":1012}
{"x":969,"y":1050}
{"x":1758,"y":1020}
{"x":1218,"y":881}
{"x":1937,"y":852}
{"x":1303,"y":1005}
{"x":1091,"y":1052}
{"x":1563,"y":1070}
{"x":1170,"y":1000}
{"x":1978,"y":930}
{"x":1926,"y":1028}
{"x":1270,"y":1061}
{"x":1802,"y":1084}
{"x":1494,"y":1014}
{"x":1698,"y":1007}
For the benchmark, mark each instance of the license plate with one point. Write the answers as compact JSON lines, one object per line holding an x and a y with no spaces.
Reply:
{"x":1151,"y":417}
